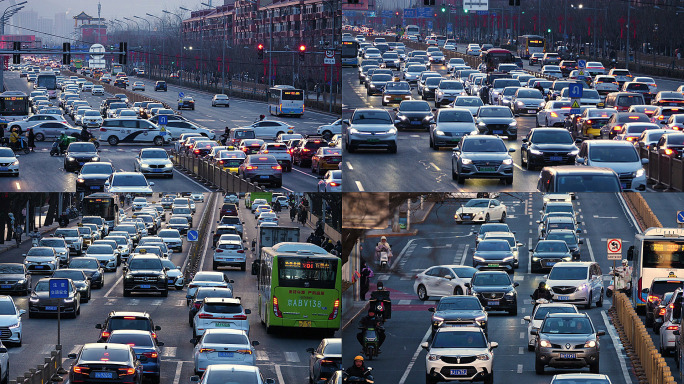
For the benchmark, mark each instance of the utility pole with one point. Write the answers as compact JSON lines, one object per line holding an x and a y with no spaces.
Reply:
{"x":628,"y":31}
{"x":270,"y":46}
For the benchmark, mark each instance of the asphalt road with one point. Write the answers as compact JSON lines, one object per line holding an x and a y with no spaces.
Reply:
{"x":441,"y":241}
{"x":41,"y":172}
{"x":418,"y":168}
{"x":280,"y":356}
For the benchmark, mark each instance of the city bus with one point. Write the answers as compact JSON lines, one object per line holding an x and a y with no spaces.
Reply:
{"x":14,"y":105}
{"x":116,"y":68}
{"x":285,"y":100}
{"x":102,"y":205}
{"x":658,"y":252}
{"x":529,"y":44}
{"x":491,"y":58}
{"x":48,"y":80}
{"x":299,"y":286}
{"x":412,"y":30}
{"x":350,"y":53}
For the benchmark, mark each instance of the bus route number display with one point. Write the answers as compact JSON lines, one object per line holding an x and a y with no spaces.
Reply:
{"x":307,"y":264}
{"x":292,"y":93}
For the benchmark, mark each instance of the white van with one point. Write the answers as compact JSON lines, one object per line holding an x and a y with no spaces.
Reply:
{"x":130,"y":130}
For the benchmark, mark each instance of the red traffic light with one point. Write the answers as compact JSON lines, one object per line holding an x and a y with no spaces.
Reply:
{"x":302,"y":48}
{"x":260,"y":46}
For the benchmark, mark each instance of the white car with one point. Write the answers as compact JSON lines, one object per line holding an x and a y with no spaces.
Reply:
{"x":131,"y":130}
{"x":589,"y":96}
{"x":371,"y":128}
{"x":105,"y":255}
{"x":553,"y":114}
{"x":59,"y":245}
{"x":21,"y":125}
{"x":224,"y":346}
{"x":552,"y":70}
{"x":219,"y":312}
{"x":471,"y":103}
{"x":174,"y":274}
{"x":229,"y":253}
{"x":256,"y":203}
{"x":91,"y":118}
{"x":177,"y":127}
{"x":329,"y":130}
{"x":605,"y":84}
{"x":481,"y":210}
{"x":652,"y":86}
{"x":207,"y":279}
{"x":458,"y":354}
{"x":197,"y":197}
{"x":453,"y":63}
{"x":268,"y":216}
{"x":172,"y":239}
{"x":535,"y":321}
{"x":73,"y":239}
{"x":41,"y":260}
{"x":98,"y":90}
{"x":139,"y":203}
{"x":10,"y":320}
{"x":270,"y":129}
{"x":619,"y":155}
{"x":138,"y":86}
{"x":576,"y":282}
{"x":87,"y":86}
{"x":595,"y":68}
{"x":9,"y":164}
{"x":443,"y":280}
{"x":220,"y":99}
{"x":128,"y":182}
{"x":473,"y":50}
{"x":154,"y":161}
{"x":331,"y":181}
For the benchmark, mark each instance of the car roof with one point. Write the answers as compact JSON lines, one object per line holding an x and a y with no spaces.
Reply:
{"x":563,"y":314}
{"x":222,"y":300}
{"x":575,"y":169}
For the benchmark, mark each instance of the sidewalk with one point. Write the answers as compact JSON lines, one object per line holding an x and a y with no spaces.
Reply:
{"x":418,"y":216}
{"x":25,"y":239}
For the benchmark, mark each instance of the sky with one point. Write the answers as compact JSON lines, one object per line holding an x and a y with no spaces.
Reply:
{"x":110,"y":8}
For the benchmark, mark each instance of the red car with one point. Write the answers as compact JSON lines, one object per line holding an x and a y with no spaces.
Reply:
{"x":229,"y":209}
{"x":302,"y":153}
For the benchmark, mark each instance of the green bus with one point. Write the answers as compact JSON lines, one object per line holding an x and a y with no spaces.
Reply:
{"x":300,"y":286}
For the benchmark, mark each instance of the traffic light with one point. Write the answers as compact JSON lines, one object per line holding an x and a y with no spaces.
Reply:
{"x":260,"y":51}
{"x":514,"y":2}
{"x":16,"y":57}
{"x":443,"y":8}
{"x":123,"y":48}
{"x":429,"y":2}
{"x":66,"y":53}
{"x":548,"y":30}
{"x":302,"y":51}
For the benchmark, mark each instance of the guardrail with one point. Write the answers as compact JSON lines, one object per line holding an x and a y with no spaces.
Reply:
{"x":46,"y":372}
{"x":652,"y":367}
{"x":639,"y":206}
{"x":664,"y":171}
{"x":213,"y":175}
{"x":194,"y":255}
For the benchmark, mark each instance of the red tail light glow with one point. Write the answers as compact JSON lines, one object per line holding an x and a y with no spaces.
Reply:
{"x":333,"y":184}
{"x":204,"y":350}
{"x":652,"y":299}
{"x":152,"y":355}
{"x":126,"y":371}
{"x":276,"y":310}
{"x":668,"y":151}
{"x":219,"y":250}
{"x":662,"y":312}
{"x":617,"y":128}
{"x":277,"y":167}
{"x":251,"y":167}
{"x":673,"y":327}
{"x":105,"y":334}
{"x":336,"y":308}
{"x":240,"y":317}
{"x":206,"y":316}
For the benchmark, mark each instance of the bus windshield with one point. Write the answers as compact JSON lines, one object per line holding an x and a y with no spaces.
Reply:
{"x":663,"y":254}
{"x":49,"y":81}
{"x":307,"y":272}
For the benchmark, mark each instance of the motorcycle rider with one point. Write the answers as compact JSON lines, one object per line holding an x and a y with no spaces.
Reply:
{"x":35,"y":237}
{"x":383,"y":246}
{"x":358,"y":369}
{"x":624,"y":276}
{"x":85,"y":135}
{"x":542,"y":293}
{"x":14,"y":138}
{"x":63,"y":140}
{"x":371,"y":321}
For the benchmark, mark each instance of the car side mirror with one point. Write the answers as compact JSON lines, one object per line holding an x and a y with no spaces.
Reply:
{"x":22,"y":311}
{"x":580,"y":241}
{"x":580,"y":160}
{"x":345,"y":121}
{"x":194,"y":341}
{"x":493,"y":345}
{"x":157,"y":328}
{"x":151,"y":183}
{"x":448,"y":277}
{"x":516,"y":284}
{"x":511,"y":150}
{"x":195,"y":379}
{"x":467,"y":285}
{"x":424,"y":345}
{"x":531,"y":249}
{"x":534,"y":332}
{"x":644,"y":161}
{"x":578,"y":230}
{"x":270,"y":381}
{"x":431,"y":309}
{"x":600,"y":333}
{"x":98,"y":326}
{"x":160,"y":343}
{"x":645,"y":290}
{"x":72,"y":356}
{"x":248,"y":311}
{"x":310,"y":350}
{"x":527,"y":318}
{"x":524,"y":140}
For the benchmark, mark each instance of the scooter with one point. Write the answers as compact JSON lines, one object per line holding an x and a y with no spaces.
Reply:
{"x":370,"y":343}
{"x":384,"y":260}
{"x":627,"y":289}
{"x":539,"y":301}
{"x":21,"y":146}
{"x":56,"y":149}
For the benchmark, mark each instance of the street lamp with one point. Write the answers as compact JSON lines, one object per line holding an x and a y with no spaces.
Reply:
{"x":149,"y":44}
{"x":137,"y":26}
{"x":163,"y":34}
{"x":203,"y":27}
{"x":13,"y":9}
{"x":180,"y":32}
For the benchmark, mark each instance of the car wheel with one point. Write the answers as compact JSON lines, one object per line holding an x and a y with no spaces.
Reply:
{"x":486,"y":219}
{"x":422,"y":293}
{"x":40,"y":137}
{"x":430,"y":380}
{"x":489,"y":379}
{"x":530,"y":348}
{"x":158,"y":141}
{"x":458,"y":291}
{"x":165,"y":293}
{"x":528,"y":164}
{"x":392,"y":149}
{"x":126,"y":293}
{"x":594,"y":368}
{"x":503,"y":218}
{"x":588,"y":306}
{"x":113,"y":140}
{"x":538,"y":367}
{"x":514,"y":311}
{"x":600,"y":302}
{"x":214,"y":266}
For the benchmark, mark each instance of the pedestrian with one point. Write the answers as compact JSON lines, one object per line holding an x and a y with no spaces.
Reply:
{"x":31,"y":139}
{"x":293,"y":213}
{"x":10,"y":226}
{"x":366,"y":274}
{"x":17,"y":234}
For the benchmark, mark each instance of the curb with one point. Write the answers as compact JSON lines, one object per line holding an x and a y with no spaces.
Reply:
{"x":394,"y":234}
{"x":365,"y":305}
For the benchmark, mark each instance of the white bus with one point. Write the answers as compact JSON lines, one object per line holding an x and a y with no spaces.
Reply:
{"x":412,"y":30}
{"x":658,"y":252}
{"x":285,"y":100}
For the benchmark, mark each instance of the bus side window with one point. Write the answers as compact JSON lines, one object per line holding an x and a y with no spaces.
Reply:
{"x":630,"y":253}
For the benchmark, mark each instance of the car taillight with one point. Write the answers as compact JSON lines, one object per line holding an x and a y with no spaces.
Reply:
{"x":154,"y":335}
{"x":126,"y":371}
{"x":80,"y":369}
{"x":152,"y":355}
{"x":668,"y":151}
{"x":588,"y":121}
{"x":631,"y":138}
{"x":197,"y":305}
{"x":196,"y":150}
{"x":652,"y":299}
{"x":662,"y":312}
{"x":306,"y":150}
{"x":554,"y":114}
{"x":192,"y":286}
{"x":241,"y":251}
{"x":245,"y":149}
{"x":206,"y":316}
{"x":336,"y":307}
{"x":220,"y":162}
{"x":672,"y":327}
{"x":240,"y":317}
{"x":244,"y":351}
{"x":617,"y":128}
{"x":251,"y":167}
{"x":276,"y":310}
{"x":218,"y":250}
{"x":277,"y":167}
{"x":104,"y":335}
{"x":265,"y":151}
{"x":333,"y":184}
{"x":103,"y":129}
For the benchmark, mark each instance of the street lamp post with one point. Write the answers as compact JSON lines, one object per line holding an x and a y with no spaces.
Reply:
{"x":163,"y":35}
{"x":203,"y":26}
{"x":13,"y":9}
{"x":137,"y":26}
{"x":180,"y":32}
{"x":629,"y":6}
{"x":149,"y":43}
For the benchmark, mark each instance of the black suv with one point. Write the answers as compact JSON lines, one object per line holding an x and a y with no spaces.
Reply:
{"x":302,"y":153}
{"x":494,"y":254}
{"x":495,"y":290}
{"x":121,"y":83}
{"x":145,"y":274}
{"x":659,"y":286}
{"x":414,"y":114}
{"x":160,"y":86}
{"x":497,"y":120}
{"x":116,"y":320}
{"x":79,"y":153}
{"x":547,"y":253}
{"x":458,"y":310}
{"x":548,"y":146}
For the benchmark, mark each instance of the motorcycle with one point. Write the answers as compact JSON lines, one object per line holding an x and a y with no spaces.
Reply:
{"x":20,"y":146}
{"x":622,"y":287}
{"x":371,"y":343}
{"x":539,"y":301}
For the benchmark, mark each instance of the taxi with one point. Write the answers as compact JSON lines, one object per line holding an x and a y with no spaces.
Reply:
{"x":396,"y":91}
{"x":186,"y":102}
{"x":592,"y":120}
{"x":326,"y":158}
{"x":229,"y":160}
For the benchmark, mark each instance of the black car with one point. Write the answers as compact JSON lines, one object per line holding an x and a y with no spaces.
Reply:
{"x":106,"y":363}
{"x":160,"y":86}
{"x":14,"y":278}
{"x":79,"y":153}
{"x":495,"y":290}
{"x":413,"y":114}
{"x":377,"y":83}
{"x":92,"y":269}
{"x":79,"y":278}
{"x":431,"y":85}
{"x":496,"y":120}
{"x":570,"y":238}
{"x":186,"y":102}
{"x":126,"y":320}
{"x":458,"y":310}
{"x":641,"y":88}
{"x":325,"y":359}
{"x":494,"y":254}
{"x":567,"y":66}
{"x":121,"y":83}
{"x":40,"y":302}
{"x":200,"y":294}
{"x":547,"y":253}
{"x":145,"y":274}
{"x":547,"y":146}
{"x":93,"y":176}
{"x":552,"y":222}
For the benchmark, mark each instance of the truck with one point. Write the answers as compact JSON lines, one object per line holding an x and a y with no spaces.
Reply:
{"x":270,"y":236}
{"x":251,"y":196}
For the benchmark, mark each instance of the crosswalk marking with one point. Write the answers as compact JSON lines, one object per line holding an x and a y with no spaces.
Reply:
{"x":261,"y":355}
{"x":110,"y":302}
{"x":157,"y":302}
{"x":133,"y":302}
{"x":292,"y":357}
{"x":169,"y":351}
{"x":181,"y":303}
{"x":384,"y":277}
{"x":404,"y":302}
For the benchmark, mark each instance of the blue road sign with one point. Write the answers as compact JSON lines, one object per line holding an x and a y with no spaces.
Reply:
{"x":581,"y":77}
{"x":680,"y":217}
{"x":181,"y":94}
{"x":410,"y":13}
{"x":450,"y":27}
{"x":429,"y":23}
{"x":482,"y":12}
{"x":575,"y":111}
{"x":575,"y":91}
{"x":581,"y":63}
{"x":193,"y":235}
{"x":59,"y":288}
{"x":426,"y":12}
{"x":163,"y":120}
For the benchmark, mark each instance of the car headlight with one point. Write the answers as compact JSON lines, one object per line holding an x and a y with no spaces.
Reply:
{"x":582,"y":287}
{"x":574,"y":152}
{"x":70,"y":158}
{"x":437,"y":320}
{"x":433,"y":357}
{"x":513,"y":124}
{"x":544,"y":344}
{"x":509,"y":258}
{"x":510,"y":293}
{"x":567,"y":258}
{"x":69,"y":300}
{"x":478,"y":258}
{"x":15,"y":325}
{"x":372,"y":85}
{"x":34,"y":299}
{"x":16,"y":162}
{"x":590,"y":344}
{"x":353,"y":131}
{"x":169,"y":165}
{"x":535,"y":151}
{"x":440,"y":93}
{"x":482,"y":124}
{"x":484,"y":356}
{"x":392,"y":131}
{"x":438,"y":132}
{"x":466,"y":161}
{"x":520,"y":103}
{"x":639,"y":173}
{"x":507,"y":162}
{"x":95,"y":158}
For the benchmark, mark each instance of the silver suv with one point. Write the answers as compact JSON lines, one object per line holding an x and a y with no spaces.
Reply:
{"x":567,"y":340}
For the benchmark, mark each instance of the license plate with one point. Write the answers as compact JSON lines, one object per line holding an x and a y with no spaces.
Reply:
{"x":225,"y":354}
{"x":623,"y":185}
{"x":5,"y":286}
{"x":567,"y":355}
{"x":493,"y":265}
{"x":556,"y":158}
{"x":103,"y":375}
{"x":156,"y":170}
{"x":416,"y":122}
{"x":458,"y":372}
{"x":550,"y":263}
{"x":39,"y":266}
{"x":563,"y":297}
{"x":222,"y":325}
{"x":145,"y":286}
{"x":467,"y":216}
{"x":304,"y":323}
{"x":487,"y":169}
{"x":531,"y":111}
{"x":498,"y":132}
{"x":95,"y":187}
{"x":51,"y":308}
{"x":170,"y":281}
{"x":492,"y":303}
{"x":334,"y":159}
{"x":80,"y":163}
{"x":264,"y":177}
{"x":4,"y":168}
{"x":373,"y":140}
{"x":455,"y":140}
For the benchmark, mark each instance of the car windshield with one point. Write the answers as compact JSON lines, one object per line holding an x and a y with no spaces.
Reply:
{"x":72,"y":274}
{"x":587,"y":183}
{"x":459,"y":339}
{"x":67,"y":232}
{"x":55,"y":243}
{"x":129,"y":181}
{"x":464,"y":272}
{"x":455,"y":116}
{"x":613,"y":154}
{"x":568,"y":238}
{"x":134,"y":340}
{"x":398,"y":86}
{"x":178,"y":220}
{"x":477,"y":203}
{"x":416,"y":68}
{"x":493,"y":245}
{"x":7,"y":308}
{"x":568,"y":273}
{"x":483,"y":145}
{"x":491,"y":279}
{"x":468,"y":102}
{"x":432,"y":81}
{"x":170,"y":232}
{"x":529,"y":94}
{"x":145,"y":263}
{"x":569,"y":325}
{"x":11,"y":269}
{"x":415,"y":106}
{"x":82,"y":147}
{"x":556,"y":136}
{"x":459,"y":303}
{"x":208,"y":277}
{"x":495,"y":112}
{"x":551,"y":246}
{"x":96,"y":168}
{"x":154,"y":154}
{"x":542,"y":311}
{"x":99,"y":249}
{"x":450,"y":85}
{"x":580,"y":380}
{"x":381,"y":77}
{"x":509,"y":91}
{"x":108,"y":355}
{"x":83,"y":263}
{"x":230,"y":376}
{"x":225,"y":338}
{"x":372,"y":117}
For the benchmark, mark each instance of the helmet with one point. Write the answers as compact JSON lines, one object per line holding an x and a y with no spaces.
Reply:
{"x":624,"y":261}
{"x":380,"y":285}
{"x":383,"y":238}
{"x":359,"y":357}
{"x":61,"y":132}
{"x":542,"y":285}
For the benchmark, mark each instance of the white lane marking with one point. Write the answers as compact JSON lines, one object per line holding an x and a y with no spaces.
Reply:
{"x":404,"y":302}
{"x":261,"y":355}
{"x":305,"y":173}
{"x":179,"y":368}
{"x":181,"y":303}
{"x":521,"y":351}
{"x":465,"y":254}
{"x":279,"y":374}
{"x":292,"y":357}
{"x":618,"y":346}
{"x":522,"y":335}
{"x":517,"y":166}
{"x":414,"y":358}
{"x":110,"y":302}
{"x":359,"y":186}
{"x":114,"y":286}
{"x":529,"y":258}
{"x":436,"y":167}
{"x":169,"y":352}
{"x":204,"y":189}
{"x":520,"y":368}
{"x":350,"y":166}
{"x":591,"y":251}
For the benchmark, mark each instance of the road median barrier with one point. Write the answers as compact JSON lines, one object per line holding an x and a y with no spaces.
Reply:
{"x":213,"y":175}
{"x":195,"y":253}
{"x":49,"y":371}
{"x":643,"y":213}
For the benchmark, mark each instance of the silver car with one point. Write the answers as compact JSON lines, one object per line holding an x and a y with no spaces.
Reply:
{"x":154,"y":161}
{"x":576,"y":283}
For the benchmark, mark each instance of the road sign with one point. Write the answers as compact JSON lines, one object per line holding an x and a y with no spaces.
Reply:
{"x":410,"y":13}
{"x":193,"y":235}
{"x":614,"y":248}
{"x":181,"y":94}
{"x":329,"y":53}
{"x":680,"y":217}
{"x":163,"y":120}
{"x":59,"y":288}
{"x":581,"y":64}
{"x":575,"y":106}
{"x":476,"y":5}
{"x":575,"y":91}
{"x":329,"y":60}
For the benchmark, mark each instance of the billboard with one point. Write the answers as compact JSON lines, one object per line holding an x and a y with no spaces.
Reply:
{"x":476,"y":5}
